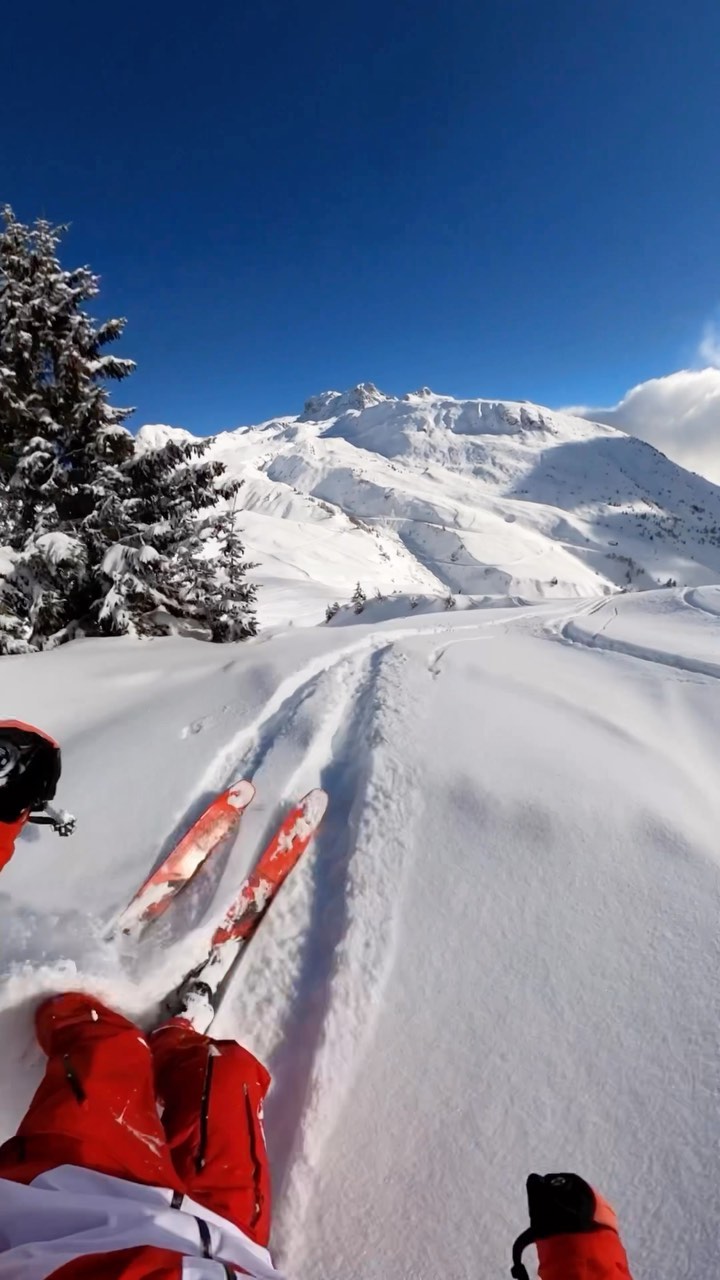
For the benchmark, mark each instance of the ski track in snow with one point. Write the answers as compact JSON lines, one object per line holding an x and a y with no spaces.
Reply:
{"x":693,"y":598}
{"x":245,"y":751}
{"x":283,"y":751}
{"x":573,"y":633}
{"x":322,"y":980}
{"x":359,"y":866}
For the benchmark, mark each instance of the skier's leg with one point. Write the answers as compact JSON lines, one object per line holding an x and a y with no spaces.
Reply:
{"x":96,"y":1104}
{"x":213,"y":1093}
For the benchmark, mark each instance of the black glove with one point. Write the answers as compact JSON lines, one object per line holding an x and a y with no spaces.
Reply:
{"x":559,"y":1204}
{"x":29,"y":769}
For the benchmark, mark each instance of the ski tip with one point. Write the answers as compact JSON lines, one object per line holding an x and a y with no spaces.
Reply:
{"x":314,"y":805}
{"x":240,"y":794}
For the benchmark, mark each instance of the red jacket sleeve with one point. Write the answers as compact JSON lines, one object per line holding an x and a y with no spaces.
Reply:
{"x":592,"y":1255}
{"x":9,"y":831}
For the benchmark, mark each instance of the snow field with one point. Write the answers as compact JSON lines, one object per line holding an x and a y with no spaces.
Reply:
{"x":500,"y":953}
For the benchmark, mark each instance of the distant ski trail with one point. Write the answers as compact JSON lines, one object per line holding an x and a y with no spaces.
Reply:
{"x":571,"y":633}
{"x":691,"y":597}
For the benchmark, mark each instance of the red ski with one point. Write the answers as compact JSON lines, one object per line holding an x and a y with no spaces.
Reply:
{"x":216,"y":823}
{"x":255,"y":897}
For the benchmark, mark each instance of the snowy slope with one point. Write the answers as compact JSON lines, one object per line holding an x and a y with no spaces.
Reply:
{"x":428,"y":494}
{"x":502,"y":953}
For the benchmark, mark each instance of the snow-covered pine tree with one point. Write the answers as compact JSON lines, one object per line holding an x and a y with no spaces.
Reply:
{"x":358,"y":599}
{"x":60,"y":438}
{"x":230,"y":604}
{"x":147,"y":573}
{"x":173,"y":561}
{"x":95,"y":527}
{"x":61,"y":442}
{"x":211,"y":580}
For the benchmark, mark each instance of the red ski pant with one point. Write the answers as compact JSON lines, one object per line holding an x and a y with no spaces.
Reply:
{"x":97,"y":1106}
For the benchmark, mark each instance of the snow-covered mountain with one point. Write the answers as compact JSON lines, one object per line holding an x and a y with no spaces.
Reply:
{"x":428,"y":495}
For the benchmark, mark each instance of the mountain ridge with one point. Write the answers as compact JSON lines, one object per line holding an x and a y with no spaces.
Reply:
{"x":426,"y":493}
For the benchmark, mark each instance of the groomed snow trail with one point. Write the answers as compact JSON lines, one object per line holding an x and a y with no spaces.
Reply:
{"x":500,"y":954}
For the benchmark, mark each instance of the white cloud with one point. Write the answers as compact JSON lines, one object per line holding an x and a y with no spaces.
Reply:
{"x":678,"y":413}
{"x":709,"y":349}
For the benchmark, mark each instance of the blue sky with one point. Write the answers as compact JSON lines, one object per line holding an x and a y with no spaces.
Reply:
{"x":511,"y":198}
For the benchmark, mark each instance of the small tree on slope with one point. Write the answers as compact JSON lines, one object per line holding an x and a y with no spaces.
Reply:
{"x":156,"y":570}
{"x":231,"y":611}
{"x":94,"y":525}
{"x":212,"y":582}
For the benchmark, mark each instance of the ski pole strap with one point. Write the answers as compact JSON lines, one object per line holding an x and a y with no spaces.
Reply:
{"x":518,"y":1270}
{"x":58,"y":819}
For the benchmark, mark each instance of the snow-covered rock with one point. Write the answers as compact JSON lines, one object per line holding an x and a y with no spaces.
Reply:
{"x":156,"y":434}
{"x":332,"y":404}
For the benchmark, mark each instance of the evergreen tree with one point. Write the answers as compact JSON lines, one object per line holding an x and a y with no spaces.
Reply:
{"x":211,"y":581}
{"x":100,"y":532}
{"x":158,"y":570}
{"x":358,"y":599}
{"x":61,"y":443}
{"x":331,"y":610}
{"x":60,"y":439}
{"x":230,"y":608}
